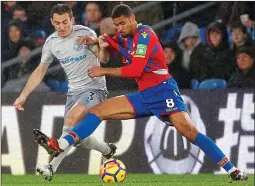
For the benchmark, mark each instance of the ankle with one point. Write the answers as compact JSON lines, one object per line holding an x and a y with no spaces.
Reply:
{"x":232,"y":169}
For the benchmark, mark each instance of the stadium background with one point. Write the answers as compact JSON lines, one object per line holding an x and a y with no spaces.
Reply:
{"x":226,"y":115}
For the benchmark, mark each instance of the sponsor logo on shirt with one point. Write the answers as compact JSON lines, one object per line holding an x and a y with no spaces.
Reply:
{"x":141,"y":50}
{"x":73,"y":59}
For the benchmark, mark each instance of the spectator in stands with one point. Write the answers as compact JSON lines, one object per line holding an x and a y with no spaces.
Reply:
{"x":92,"y":15}
{"x":26,"y":65}
{"x":14,"y":76}
{"x":15,"y":35}
{"x":244,"y":76}
{"x":240,"y":37}
{"x":192,"y":49}
{"x":77,"y":10}
{"x":247,"y":21}
{"x":173,"y":58}
{"x":6,"y":14}
{"x":7,"y":8}
{"x":19,"y":13}
{"x":107,"y":27}
{"x":218,"y":61}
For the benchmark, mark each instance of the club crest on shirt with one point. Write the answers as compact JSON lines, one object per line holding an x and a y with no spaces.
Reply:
{"x":77,"y":47}
{"x":144,"y":34}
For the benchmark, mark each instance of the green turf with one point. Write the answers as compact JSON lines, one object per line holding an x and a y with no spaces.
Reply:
{"x":132,"y":179}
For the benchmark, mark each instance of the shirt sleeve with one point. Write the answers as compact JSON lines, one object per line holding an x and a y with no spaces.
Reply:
{"x":110,"y":49}
{"x":145,"y":45}
{"x":93,"y":35}
{"x":47,"y":56}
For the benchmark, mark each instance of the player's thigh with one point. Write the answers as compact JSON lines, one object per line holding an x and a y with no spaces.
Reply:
{"x":120,"y":107}
{"x":91,"y":98}
{"x":83,"y":101}
{"x":164,"y":100}
{"x":139,"y":108}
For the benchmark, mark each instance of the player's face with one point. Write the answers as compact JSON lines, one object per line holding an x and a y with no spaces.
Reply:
{"x":215,"y":38}
{"x":62,"y":24}
{"x":125,"y":25}
{"x":238,"y":36}
{"x":244,"y":61}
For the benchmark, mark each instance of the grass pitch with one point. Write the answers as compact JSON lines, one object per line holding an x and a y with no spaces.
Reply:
{"x":132,"y":179}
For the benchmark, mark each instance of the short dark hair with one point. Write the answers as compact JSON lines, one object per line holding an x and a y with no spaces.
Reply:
{"x":17,"y":23}
{"x":61,"y":9}
{"x":18,"y":8}
{"x":121,"y":10}
{"x":249,"y":50}
{"x":238,"y":25}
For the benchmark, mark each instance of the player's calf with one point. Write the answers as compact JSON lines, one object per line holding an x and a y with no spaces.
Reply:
{"x":184,"y":125}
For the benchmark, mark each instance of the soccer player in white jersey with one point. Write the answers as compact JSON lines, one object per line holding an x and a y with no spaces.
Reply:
{"x":83,"y":91}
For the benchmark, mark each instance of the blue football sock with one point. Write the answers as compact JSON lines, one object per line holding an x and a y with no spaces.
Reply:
{"x":212,"y":151}
{"x":83,"y":129}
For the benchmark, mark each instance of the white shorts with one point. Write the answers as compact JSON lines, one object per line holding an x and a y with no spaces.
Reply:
{"x":89,"y":98}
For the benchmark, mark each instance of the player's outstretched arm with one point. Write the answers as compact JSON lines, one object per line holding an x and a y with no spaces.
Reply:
{"x":133,"y":70}
{"x":33,"y":81}
{"x":97,"y":46}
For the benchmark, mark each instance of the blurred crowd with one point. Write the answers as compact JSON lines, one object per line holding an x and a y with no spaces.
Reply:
{"x":203,"y":51}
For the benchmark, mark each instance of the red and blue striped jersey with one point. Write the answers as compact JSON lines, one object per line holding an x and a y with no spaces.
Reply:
{"x":144,"y":57}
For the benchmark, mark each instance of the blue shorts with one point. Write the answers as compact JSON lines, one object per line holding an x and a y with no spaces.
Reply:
{"x":161,"y":100}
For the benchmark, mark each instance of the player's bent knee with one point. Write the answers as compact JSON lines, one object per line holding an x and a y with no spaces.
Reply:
{"x":98,"y":111}
{"x":75,"y":115}
{"x":73,"y":119}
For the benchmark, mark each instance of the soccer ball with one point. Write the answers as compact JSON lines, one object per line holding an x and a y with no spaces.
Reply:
{"x":113,"y":170}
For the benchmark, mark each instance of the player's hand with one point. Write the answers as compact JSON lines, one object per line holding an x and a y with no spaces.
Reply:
{"x":19,"y":103}
{"x":96,"y":71}
{"x":86,"y":40}
{"x":102,"y":42}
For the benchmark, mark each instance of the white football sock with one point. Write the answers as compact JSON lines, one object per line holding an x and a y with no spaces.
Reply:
{"x":88,"y":143}
{"x":57,"y":160}
{"x":232,"y":169}
{"x":92,"y":143}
